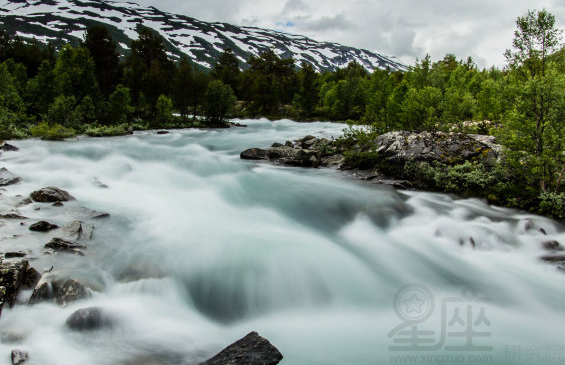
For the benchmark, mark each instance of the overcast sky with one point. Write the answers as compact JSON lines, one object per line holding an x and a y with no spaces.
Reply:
{"x":407,"y":29}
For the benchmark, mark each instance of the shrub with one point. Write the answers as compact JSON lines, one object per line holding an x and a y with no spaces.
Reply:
{"x":107,"y":131}
{"x":552,"y":204}
{"x":55,"y":132}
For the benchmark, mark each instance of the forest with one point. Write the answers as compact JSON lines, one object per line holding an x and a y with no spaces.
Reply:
{"x":91,"y":89}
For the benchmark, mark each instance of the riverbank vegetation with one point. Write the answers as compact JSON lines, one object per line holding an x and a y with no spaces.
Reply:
{"x":92,"y":89}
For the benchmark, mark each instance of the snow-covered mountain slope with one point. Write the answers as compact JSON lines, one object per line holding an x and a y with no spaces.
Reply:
{"x":63,"y":21}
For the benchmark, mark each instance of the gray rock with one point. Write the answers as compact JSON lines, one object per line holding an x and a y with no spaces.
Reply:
{"x":59,"y":244}
{"x":24,"y":202}
{"x":71,"y":291}
{"x":15,"y":274}
{"x":19,"y":357}
{"x":76,"y":231}
{"x":12,"y":216}
{"x":6,"y":147}
{"x":44,"y":291}
{"x":89,"y":319}
{"x":253,"y":154}
{"x":163,"y":132}
{"x":551,"y":246}
{"x":7,"y":178}
{"x":250,"y":350}
{"x":42,"y":226}
{"x":14,"y":254}
{"x":51,"y":194}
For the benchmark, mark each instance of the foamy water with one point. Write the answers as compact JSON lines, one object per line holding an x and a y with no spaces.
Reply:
{"x":310,"y":260}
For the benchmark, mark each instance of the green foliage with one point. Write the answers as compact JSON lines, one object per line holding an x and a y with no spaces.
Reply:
{"x":107,"y":130}
{"x":53,"y":132}
{"x":220,"y":102}
{"x":164,"y":110}
{"x":552,"y":204}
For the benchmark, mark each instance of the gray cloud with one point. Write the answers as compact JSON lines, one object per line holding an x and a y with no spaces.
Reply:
{"x":407,"y":29}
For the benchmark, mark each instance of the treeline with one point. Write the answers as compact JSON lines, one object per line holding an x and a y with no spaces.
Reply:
{"x":92,"y":89}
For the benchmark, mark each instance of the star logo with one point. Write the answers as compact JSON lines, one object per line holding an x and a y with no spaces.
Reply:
{"x":414,"y":304}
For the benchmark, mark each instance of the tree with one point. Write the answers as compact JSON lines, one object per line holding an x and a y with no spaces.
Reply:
{"x":534,"y":125}
{"x":227,"y":69}
{"x":164,"y":111}
{"x":220,"y":101}
{"x":119,"y":105}
{"x":182,"y":88}
{"x":106,"y":58}
{"x":307,"y":96}
{"x":74,"y":73}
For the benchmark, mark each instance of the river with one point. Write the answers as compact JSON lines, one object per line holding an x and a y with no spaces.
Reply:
{"x":330,"y":270}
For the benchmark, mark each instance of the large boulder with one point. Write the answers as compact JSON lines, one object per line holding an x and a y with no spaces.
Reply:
{"x":15,"y":274}
{"x":7,"y":178}
{"x":89,"y":319}
{"x":61,"y":291}
{"x":253,"y":154}
{"x":449,"y":148}
{"x":250,"y":350}
{"x":51,"y":194}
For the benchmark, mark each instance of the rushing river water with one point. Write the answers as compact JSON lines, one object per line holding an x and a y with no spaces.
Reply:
{"x":309,"y":259}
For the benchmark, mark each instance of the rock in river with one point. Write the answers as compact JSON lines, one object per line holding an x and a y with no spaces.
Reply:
{"x":89,"y":319}
{"x":51,"y":194}
{"x":7,"y":178}
{"x":42,"y":226}
{"x":15,"y":274}
{"x":250,"y":350}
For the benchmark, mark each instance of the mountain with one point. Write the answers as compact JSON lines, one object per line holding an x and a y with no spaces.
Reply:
{"x":65,"y":21}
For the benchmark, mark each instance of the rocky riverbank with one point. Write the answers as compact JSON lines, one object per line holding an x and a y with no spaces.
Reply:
{"x":382,"y":160}
{"x":51,"y":223}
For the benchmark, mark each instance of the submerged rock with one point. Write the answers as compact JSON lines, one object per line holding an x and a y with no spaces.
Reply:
{"x":551,"y":246}
{"x":89,"y":319}
{"x":12,"y":216}
{"x":19,"y":357}
{"x":250,"y":350}
{"x":51,"y":194}
{"x":7,"y":178}
{"x":71,"y":291}
{"x":42,"y":226}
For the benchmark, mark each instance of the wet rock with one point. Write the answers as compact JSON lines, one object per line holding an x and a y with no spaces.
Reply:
{"x":31,"y":278}
{"x":89,"y":319}
{"x":542,"y":231}
{"x":87,"y":213}
{"x":71,"y":291}
{"x":12,"y":216}
{"x":277,"y":144}
{"x":59,"y":244}
{"x":335,"y":161}
{"x":307,"y":142}
{"x":44,"y":291}
{"x":250,"y":350}
{"x":19,"y":357}
{"x":15,"y":274}
{"x":76,"y":231}
{"x":551,"y":246}
{"x":57,"y":204}
{"x":162,"y":132}
{"x":288,"y":144}
{"x":24,"y":202}
{"x":7,"y":178}
{"x":51,"y":194}
{"x":14,"y":254}
{"x":253,"y":154}
{"x":6,"y":147}
{"x":42,"y":226}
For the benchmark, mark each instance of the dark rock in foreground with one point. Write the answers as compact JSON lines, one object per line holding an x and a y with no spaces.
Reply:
{"x":7,"y":178}
{"x":51,"y":194}
{"x":15,"y":274}
{"x":6,"y":147}
{"x":89,"y":319}
{"x":250,"y":350}
{"x":19,"y":357}
{"x":12,"y":216}
{"x":42,"y":226}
